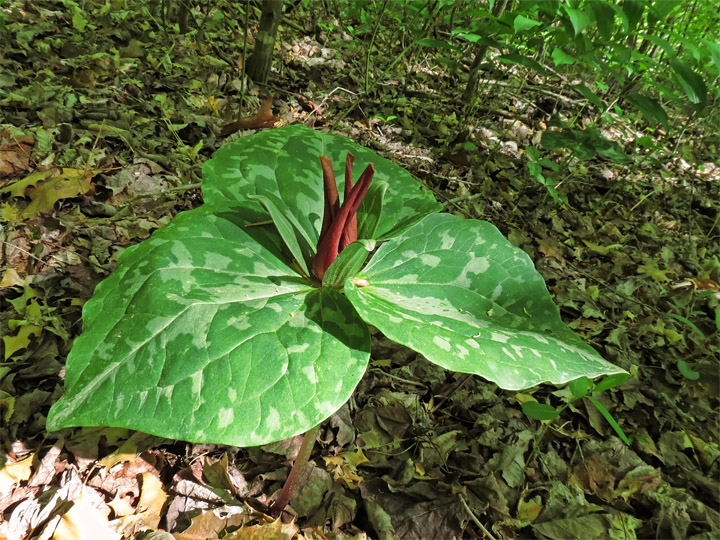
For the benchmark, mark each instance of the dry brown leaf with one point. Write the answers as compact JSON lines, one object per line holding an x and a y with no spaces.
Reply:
{"x":45,"y":188}
{"x":15,"y":154}
{"x":209,"y":524}
{"x":263,"y":119}
{"x":595,"y":476}
{"x":551,"y":249}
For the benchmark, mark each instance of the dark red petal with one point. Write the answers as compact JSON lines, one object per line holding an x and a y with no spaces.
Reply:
{"x":353,"y":201}
{"x":350,"y":231}
{"x":330,"y":192}
{"x":329,"y":245}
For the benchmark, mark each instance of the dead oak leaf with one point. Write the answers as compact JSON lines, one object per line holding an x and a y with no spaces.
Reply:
{"x":45,"y":188}
{"x":595,"y":476}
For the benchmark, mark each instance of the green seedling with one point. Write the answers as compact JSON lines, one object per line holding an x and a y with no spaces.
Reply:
{"x":538,"y":167}
{"x":386,"y":120}
{"x":581,"y":388}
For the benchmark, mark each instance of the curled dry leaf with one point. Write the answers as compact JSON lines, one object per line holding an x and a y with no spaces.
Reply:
{"x":263,"y":119}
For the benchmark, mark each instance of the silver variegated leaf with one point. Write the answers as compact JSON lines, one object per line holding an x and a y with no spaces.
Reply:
{"x":459,"y":293}
{"x":284,"y":164}
{"x":205,"y":333}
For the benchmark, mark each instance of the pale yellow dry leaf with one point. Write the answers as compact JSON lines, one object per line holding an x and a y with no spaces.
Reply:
{"x":121,"y":506}
{"x":14,"y":473}
{"x":275,"y":530}
{"x":128,"y":451}
{"x":529,"y":510}
{"x":152,"y":498}
{"x":84,"y":522}
{"x":47,"y":187}
{"x":20,"y":340}
{"x":149,"y":508}
{"x":11,"y":278}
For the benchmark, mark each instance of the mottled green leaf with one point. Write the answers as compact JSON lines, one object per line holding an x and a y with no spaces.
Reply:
{"x":205,"y":332}
{"x":459,"y":293}
{"x":371,"y":209}
{"x":294,"y":237}
{"x":284,"y":163}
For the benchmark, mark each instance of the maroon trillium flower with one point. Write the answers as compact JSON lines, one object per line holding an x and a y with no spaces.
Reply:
{"x":339,"y":226}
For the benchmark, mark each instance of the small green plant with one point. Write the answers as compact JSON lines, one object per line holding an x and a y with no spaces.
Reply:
{"x":385,"y":120}
{"x":245,"y":321}
{"x":581,"y":388}
{"x":536,"y":166}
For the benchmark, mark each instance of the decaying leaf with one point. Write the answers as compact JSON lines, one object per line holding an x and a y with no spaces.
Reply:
{"x":14,"y":473}
{"x":263,"y":119}
{"x":83,"y":520}
{"x":14,"y":153}
{"x":47,"y":187}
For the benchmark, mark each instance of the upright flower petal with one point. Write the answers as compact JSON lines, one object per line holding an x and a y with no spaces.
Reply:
{"x":350,"y":231}
{"x":332,"y":240}
{"x":330,"y":192}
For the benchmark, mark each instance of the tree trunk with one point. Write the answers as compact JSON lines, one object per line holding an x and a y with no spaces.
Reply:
{"x":258,"y":66}
{"x":480,"y":51}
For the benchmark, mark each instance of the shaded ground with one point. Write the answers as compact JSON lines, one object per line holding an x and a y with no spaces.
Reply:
{"x":106,"y":118}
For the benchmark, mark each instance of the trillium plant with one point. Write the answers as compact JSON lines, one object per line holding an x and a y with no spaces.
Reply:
{"x":245,"y":321}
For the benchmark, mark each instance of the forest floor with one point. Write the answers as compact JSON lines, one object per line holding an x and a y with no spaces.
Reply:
{"x":105,"y":123}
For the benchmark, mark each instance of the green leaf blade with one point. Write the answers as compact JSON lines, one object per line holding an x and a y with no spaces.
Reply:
{"x":540,"y":411}
{"x":460,"y":294}
{"x":348,"y":263}
{"x":290,"y":231}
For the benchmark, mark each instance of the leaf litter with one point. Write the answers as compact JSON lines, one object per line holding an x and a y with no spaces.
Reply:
{"x":417,"y":452}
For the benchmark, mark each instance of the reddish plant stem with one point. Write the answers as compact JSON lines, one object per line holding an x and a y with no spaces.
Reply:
{"x":296,"y":473}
